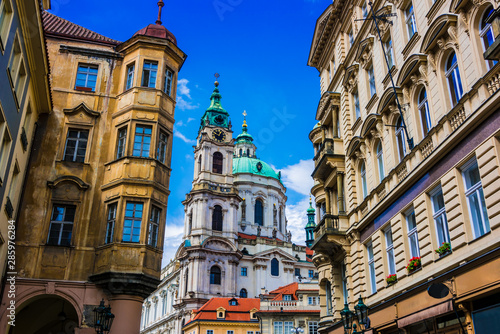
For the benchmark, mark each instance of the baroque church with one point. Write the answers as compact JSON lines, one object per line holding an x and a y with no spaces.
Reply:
{"x":236,"y":242}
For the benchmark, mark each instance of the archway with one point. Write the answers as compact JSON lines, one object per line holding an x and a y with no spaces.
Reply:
{"x":46,"y":314}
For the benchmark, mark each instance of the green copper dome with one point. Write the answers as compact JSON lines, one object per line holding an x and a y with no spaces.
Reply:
{"x":244,"y":137}
{"x":311,"y":209}
{"x":310,"y":216}
{"x":254,"y":166}
{"x":215,"y":115}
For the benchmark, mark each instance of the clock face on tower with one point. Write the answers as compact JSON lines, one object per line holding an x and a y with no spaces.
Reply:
{"x":219,"y":135}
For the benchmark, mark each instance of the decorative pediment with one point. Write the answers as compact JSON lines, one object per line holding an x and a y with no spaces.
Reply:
{"x":365,"y":51}
{"x":68,"y":179}
{"x":350,"y":81}
{"x":388,"y":98}
{"x":441,"y":32}
{"x":270,"y":253}
{"x":321,"y":33}
{"x":219,"y":244}
{"x":354,"y":145}
{"x":370,"y":123}
{"x":414,"y":68}
{"x":458,"y":5}
{"x":327,"y":100}
{"x":82,"y":107}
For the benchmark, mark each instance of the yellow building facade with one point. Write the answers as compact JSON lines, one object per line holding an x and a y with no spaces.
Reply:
{"x":92,"y":221}
{"x":407,"y":200}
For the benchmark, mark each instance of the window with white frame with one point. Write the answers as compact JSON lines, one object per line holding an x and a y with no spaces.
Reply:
{"x":154,"y":223}
{"x":411,"y":23}
{"x":411,"y":224}
{"x":486,"y":34}
{"x":355,"y":97}
{"x":312,"y":301}
{"x":244,"y":271}
{"x":371,"y":81}
{"x":287,"y":297}
{"x":130,"y":76}
{"x":86,"y":77}
{"x":389,"y":248}
{"x":364,"y":186}
{"x":452,"y":74}
{"x":167,"y":82}
{"x":311,"y":273}
{"x":423,"y":110}
{"x":313,"y":327}
{"x":278,"y":327}
{"x":400,"y":139}
{"x":475,"y":198}
{"x":371,"y":268}
{"x":110,"y":223}
{"x":149,"y":71}
{"x":142,"y":141}
{"x":287,"y":327}
{"x":132,"y":222}
{"x":121,"y":142}
{"x":76,"y":145}
{"x":439,"y":215}
{"x":380,"y":161}
{"x":389,"y":53}
{"x":5,"y":20}
{"x":61,"y":225}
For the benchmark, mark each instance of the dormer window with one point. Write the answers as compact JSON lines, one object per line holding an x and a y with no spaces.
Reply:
{"x":233,"y":302}
{"x":287,"y":297}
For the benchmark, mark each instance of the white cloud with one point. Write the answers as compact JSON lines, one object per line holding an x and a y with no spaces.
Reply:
{"x":296,"y":214}
{"x":173,"y":238}
{"x":182,"y":88}
{"x":298,"y":177}
{"x":185,"y":105}
{"x":183,"y":138}
{"x":182,"y":123}
{"x":190,"y":119}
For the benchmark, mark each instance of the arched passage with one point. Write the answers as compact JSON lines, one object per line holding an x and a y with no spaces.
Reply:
{"x":45,"y":314}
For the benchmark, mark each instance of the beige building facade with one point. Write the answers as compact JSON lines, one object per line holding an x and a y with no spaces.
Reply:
{"x":407,"y":200}
{"x":92,"y":220}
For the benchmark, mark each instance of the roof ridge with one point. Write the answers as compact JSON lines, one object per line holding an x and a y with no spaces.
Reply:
{"x":57,"y":25}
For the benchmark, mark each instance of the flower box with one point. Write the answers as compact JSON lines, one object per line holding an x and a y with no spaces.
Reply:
{"x":414,"y":264}
{"x":444,"y":249}
{"x":391,"y":279}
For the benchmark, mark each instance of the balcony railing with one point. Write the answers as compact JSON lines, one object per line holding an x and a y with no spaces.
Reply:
{"x":327,"y":147}
{"x":328,"y":224}
{"x":283,"y":303}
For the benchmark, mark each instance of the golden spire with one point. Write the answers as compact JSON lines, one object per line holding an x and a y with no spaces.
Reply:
{"x":244,"y":118}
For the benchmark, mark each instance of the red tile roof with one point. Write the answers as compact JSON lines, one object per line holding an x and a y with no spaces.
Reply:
{"x":290,"y":289}
{"x":309,"y":251}
{"x":157,"y":30}
{"x":290,"y":311}
{"x":240,"y":312}
{"x":56,"y":26}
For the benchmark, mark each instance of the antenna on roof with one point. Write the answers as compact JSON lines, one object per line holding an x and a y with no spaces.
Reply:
{"x":160,"y":5}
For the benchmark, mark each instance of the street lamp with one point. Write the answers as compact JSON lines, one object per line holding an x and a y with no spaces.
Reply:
{"x":103,"y":318}
{"x":297,"y":330}
{"x":361,"y":313}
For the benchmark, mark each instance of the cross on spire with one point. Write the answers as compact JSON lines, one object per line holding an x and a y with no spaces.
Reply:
{"x":160,"y":5}
{"x":244,"y":118}
{"x":216,"y":75}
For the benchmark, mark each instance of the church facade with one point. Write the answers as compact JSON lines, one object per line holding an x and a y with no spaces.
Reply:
{"x":236,"y":242}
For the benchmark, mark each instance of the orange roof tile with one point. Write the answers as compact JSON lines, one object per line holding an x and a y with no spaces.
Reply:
{"x":240,"y":312}
{"x":289,"y":289}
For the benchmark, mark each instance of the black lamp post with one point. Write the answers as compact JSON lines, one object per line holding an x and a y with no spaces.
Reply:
{"x":103,"y":318}
{"x":361,"y":314}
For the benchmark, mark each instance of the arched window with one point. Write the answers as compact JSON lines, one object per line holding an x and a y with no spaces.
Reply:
{"x":248,"y":152}
{"x":400,"y":139}
{"x":244,"y":210}
{"x":275,"y":267}
{"x":199,"y":164}
{"x":280,"y":221}
{"x":217,"y":163}
{"x":215,"y":275}
{"x":241,"y":152}
{"x":380,"y":161}
{"x":186,"y":278}
{"x":453,"y":78}
{"x":364,"y":186}
{"x":259,"y":213}
{"x":217,"y":218}
{"x":486,"y":34}
{"x":423,"y":110}
{"x":243,"y":293}
{"x":190,"y":224}
{"x":328,"y":292}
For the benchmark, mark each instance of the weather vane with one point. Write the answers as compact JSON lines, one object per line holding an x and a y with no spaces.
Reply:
{"x":216,"y":75}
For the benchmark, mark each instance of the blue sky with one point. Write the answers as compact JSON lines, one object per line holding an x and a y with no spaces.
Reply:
{"x":260,"y":48}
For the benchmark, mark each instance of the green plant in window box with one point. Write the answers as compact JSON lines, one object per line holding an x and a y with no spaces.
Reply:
{"x":444,"y":249}
{"x":414,"y":264}
{"x":391,"y":279}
